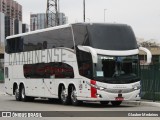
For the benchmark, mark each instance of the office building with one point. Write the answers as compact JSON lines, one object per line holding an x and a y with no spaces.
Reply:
{"x":38,"y":21}
{"x":25,"y":28}
{"x":10,"y":18}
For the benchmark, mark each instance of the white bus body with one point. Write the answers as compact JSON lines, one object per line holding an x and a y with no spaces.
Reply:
{"x":53,"y":63}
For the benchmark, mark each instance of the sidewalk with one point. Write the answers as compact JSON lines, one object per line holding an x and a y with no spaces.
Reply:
{"x":142,"y":103}
{"x":2,"y":89}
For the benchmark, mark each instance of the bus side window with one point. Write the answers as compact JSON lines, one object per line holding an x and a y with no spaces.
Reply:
{"x":84,"y":60}
{"x":48,"y":70}
{"x":6,"y":72}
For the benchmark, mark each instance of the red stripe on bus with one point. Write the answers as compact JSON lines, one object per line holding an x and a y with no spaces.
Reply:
{"x":93,"y":90}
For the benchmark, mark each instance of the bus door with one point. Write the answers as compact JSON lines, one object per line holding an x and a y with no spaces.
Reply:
{"x":8,"y":77}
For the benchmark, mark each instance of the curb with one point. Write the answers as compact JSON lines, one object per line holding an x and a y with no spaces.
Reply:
{"x":142,"y":103}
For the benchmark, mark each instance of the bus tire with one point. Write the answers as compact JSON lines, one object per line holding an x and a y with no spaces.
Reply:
{"x":53,"y":100}
{"x":116,"y":103}
{"x":30,"y":99}
{"x":73,"y":96}
{"x":104,"y":102}
{"x":23,"y":95}
{"x":63,"y":97}
{"x":17,"y":94}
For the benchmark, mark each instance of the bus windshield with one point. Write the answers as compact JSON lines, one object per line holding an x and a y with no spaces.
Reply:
{"x":110,"y":37}
{"x":117,"y":69}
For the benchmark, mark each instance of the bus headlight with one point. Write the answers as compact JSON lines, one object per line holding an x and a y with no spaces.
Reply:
{"x":97,"y":87}
{"x":102,"y":88}
{"x":136,"y":86}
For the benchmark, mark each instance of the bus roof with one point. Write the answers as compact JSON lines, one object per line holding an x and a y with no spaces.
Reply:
{"x":38,"y":31}
{"x":59,"y":27}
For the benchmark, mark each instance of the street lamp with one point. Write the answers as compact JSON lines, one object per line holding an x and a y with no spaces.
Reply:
{"x":105,"y":15}
{"x":84,"y":10}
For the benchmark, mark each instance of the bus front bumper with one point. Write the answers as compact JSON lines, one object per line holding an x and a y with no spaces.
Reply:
{"x":106,"y":96}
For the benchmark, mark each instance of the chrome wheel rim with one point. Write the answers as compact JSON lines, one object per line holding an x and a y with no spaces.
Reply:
{"x":16,"y":93}
{"x":23,"y":93}
{"x":63,"y":96}
{"x":74,"y":96}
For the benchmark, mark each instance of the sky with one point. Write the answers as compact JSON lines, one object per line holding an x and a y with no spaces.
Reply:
{"x":142,"y":15}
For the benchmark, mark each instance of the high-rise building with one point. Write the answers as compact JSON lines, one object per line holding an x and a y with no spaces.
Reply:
{"x":10,"y":18}
{"x":38,"y":21}
{"x":25,"y":28}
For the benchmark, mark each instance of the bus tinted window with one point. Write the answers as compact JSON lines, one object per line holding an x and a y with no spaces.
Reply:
{"x":15,"y":45}
{"x":84,"y":60}
{"x":48,"y":70}
{"x":43,"y":40}
{"x":81,"y":35}
{"x":112,"y":37}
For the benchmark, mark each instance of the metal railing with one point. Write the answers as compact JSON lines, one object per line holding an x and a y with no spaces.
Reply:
{"x":150,"y":81}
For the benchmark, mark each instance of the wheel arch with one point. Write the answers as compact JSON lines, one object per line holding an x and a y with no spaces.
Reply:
{"x":15,"y":85}
{"x":70,"y":87}
{"x":21,"y":85}
{"x":59,"y":88}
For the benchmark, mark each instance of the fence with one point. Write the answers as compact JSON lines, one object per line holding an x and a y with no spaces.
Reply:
{"x":1,"y":75}
{"x":150,"y":80}
{"x":1,"y":69}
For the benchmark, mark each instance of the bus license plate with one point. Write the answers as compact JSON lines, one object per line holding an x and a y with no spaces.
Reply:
{"x":119,"y":98}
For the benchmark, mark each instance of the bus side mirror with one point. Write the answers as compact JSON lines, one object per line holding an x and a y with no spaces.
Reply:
{"x":149,"y":54}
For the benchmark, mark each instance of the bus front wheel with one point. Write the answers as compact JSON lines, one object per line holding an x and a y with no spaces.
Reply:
{"x":116,"y":103}
{"x":104,"y":102}
{"x":73,"y":95}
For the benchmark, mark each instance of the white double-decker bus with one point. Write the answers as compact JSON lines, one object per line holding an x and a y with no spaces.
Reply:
{"x":74,"y":63}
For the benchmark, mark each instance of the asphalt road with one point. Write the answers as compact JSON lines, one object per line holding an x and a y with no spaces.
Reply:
{"x":8,"y":103}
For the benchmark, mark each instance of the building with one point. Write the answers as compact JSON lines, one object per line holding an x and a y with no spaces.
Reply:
{"x":25,"y":28}
{"x":10,"y":18}
{"x":10,"y":24}
{"x":38,"y":21}
{"x":152,"y":46}
{"x":155,"y":55}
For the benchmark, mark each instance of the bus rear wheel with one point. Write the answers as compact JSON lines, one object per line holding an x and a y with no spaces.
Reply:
{"x":23,"y":95}
{"x":17,"y":94}
{"x":116,"y":103}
